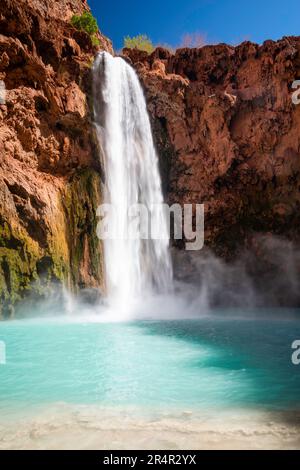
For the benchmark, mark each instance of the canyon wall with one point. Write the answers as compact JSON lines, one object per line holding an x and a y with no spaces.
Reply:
{"x":228,"y":136}
{"x":225,"y":127}
{"x":49,"y":165}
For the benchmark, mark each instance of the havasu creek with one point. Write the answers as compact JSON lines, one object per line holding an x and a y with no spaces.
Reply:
{"x":116,"y":331}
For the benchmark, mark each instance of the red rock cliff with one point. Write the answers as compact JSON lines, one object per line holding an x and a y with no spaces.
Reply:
{"x":224,"y":123}
{"x":49,"y":168}
{"x":229,"y":135}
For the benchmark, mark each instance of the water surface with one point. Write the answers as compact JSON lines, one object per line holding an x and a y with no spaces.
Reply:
{"x":210,"y":363}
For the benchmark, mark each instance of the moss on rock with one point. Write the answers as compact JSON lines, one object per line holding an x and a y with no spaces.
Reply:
{"x":72,"y":256}
{"x":81,"y":200}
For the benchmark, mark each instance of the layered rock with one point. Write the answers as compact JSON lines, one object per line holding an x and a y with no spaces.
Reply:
{"x":49,"y":166}
{"x":225,"y":127}
{"x":229,"y":135}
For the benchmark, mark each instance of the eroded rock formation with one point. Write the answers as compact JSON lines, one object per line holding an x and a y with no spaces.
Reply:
{"x":229,"y":135}
{"x":224,"y":123}
{"x":49,"y":165}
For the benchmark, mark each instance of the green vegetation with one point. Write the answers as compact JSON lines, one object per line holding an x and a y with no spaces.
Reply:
{"x":29,"y":271}
{"x":140,"y":42}
{"x":80,"y":201}
{"x":95,"y":41}
{"x":26,"y":270}
{"x":85,"y":22}
{"x":88,"y":23}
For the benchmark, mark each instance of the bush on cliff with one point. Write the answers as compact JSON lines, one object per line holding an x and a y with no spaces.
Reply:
{"x":141,"y":42}
{"x":85,"y":22}
{"x":88,"y":23}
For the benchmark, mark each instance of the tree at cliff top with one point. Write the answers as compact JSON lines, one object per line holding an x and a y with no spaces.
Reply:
{"x":192,"y":40}
{"x":88,"y":23}
{"x":141,"y":42}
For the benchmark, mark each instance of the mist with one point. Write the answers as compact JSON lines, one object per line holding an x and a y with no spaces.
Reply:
{"x":263,"y":280}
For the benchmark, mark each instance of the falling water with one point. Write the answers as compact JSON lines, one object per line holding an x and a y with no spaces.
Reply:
{"x":134,"y":267}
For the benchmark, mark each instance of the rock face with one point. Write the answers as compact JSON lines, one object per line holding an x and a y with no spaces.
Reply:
{"x":225,"y":127}
{"x":228,"y":135}
{"x":49,"y":165}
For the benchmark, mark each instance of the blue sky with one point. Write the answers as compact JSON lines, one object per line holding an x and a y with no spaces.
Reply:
{"x":166,"y":21}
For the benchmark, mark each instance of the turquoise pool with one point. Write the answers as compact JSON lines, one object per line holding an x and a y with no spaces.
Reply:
{"x":209,"y":363}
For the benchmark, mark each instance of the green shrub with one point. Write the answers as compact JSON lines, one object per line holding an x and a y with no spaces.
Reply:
{"x":85,"y":22}
{"x":141,"y":42}
{"x":95,"y":41}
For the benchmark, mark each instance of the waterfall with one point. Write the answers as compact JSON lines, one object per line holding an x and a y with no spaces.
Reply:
{"x":133,"y":267}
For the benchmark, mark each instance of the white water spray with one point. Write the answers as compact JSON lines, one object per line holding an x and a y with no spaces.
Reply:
{"x":133,"y":268}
